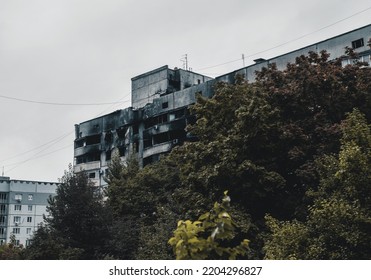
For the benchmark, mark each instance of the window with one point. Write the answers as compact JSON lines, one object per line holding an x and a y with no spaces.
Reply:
{"x":16,"y":230}
{"x":30,"y":197}
{"x":28,"y":242}
{"x":92,"y":175}
{"x":171,"y":117}
{"x":17,"y":207}
{"x":29,"y":219}
{"x":2,"y":231}
{"x":18,"y":197}
{"x":2,"y":220}
{"x":358,"y":43}
{"x":28,"y":230}
{"x":17,"y":242}
{"x":108,"y":155}
{"x":2,"y":208}
{"x":29,"y":208}
{"x":165,"y":105}
{"x":3,"y":196}
{"x":17,"y":219}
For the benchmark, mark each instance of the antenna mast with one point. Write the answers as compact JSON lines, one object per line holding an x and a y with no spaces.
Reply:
{"x":185,"y":62}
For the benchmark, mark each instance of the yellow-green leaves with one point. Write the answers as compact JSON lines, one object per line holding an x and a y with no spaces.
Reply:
{"x":202,"y":239}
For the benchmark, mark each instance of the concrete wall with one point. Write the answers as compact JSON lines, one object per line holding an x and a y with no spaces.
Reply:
{"x":148,"y":86}
{"x":334,"y":46}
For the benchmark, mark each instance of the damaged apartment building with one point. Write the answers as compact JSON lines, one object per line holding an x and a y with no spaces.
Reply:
{"x":156,"y":121}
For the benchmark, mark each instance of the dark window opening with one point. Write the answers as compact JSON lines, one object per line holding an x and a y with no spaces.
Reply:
{"x":122,"y":150}
{"x":151,"y":159}
{"x":162,"y":118}
{"x":165,"y":105}
{"x":3,"y":196}
{"x":92,"y":140}
{"x":108,"y":155}
{"x":147,"y":142}
{"x":135,"y":129}
{"x":79,"y":143}
{"x":136,"y":145}
{"x":179,"y":113}
{"x":177,"y":135}
{"x":198,"y":81}
{"x":358,"y":43}
{"x":108,"y":137}
{"x":92,"y":175}
{"x":161,"y":138}
{"x":88,"y":158}
{"x":121,"y":131}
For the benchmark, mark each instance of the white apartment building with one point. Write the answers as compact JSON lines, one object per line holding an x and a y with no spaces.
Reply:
{"x":22,"y":206}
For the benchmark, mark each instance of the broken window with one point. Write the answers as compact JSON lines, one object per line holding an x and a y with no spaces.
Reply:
{"x":160,"y":138}
{"x":122,"y":150}
{"x":165,"y":105}
{"x":108,"y":137}
{"x":108,"y":155}
{"x":147,"y":142}
{"x":135,"y":129}
{"x":121,"y":132}
{"x":93,"y":139}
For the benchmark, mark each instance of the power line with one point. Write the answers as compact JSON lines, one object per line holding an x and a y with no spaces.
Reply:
{"x":36,"y":148}
{"x":18,"y":164}
{"x":60,"y":104}
{"x":288,"y":42}
{"x":51,"y":143}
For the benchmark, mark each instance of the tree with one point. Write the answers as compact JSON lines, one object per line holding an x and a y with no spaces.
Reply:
{"x":312,"y":96}
{"x":11,"y":251}
{"x":339,"y":220}
{"x":237,"y":130}
{"x":207,"y":238}
{"x":77,"y":224}
{"x":138,"y":199}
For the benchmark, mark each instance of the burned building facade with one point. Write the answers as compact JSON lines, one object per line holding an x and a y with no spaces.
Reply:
{"x":160,"y":100}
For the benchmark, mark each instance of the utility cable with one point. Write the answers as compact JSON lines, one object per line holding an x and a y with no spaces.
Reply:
{"x":60,"y":104}
{"x":288,"y":42}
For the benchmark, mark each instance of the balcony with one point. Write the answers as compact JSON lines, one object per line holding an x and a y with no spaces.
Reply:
{"x":158,"y":149}
{"x":94,"y":165}
{"x":87,"y":149}
{"x":177,"y":124}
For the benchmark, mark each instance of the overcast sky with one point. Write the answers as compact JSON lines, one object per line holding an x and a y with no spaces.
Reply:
{"x":86,"y":51}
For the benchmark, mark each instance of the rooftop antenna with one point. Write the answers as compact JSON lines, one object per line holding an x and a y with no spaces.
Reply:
{"x":3,"y":172}
{"x":184,"y":59}
{"x":243,"y":60}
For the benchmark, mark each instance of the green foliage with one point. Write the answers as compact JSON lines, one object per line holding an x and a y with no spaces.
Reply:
{"x":11,"y":251}
{"x":339,"y":220}
{"x":206,"y":238}
{"x":143,"y":206}
{"x":76,"y":226}
{"x":236,"y":130}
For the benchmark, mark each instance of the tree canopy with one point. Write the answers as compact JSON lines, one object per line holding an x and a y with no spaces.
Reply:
{"x":293,"y":149}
